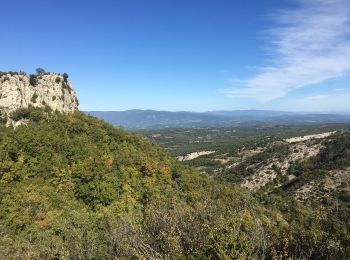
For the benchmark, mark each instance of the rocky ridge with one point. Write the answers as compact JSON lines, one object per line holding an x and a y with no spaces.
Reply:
{"x":19,"y":90}
{"x":193,"y":155}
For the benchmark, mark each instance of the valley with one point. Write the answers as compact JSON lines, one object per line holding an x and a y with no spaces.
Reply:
{"x":261,"y":159}
{"x":230,"y":145}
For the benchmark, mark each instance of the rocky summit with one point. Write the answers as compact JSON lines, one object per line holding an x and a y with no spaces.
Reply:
{"x":19,"y":90}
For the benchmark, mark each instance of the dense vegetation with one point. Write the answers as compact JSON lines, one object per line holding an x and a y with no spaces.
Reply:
{"x":74,"y":187}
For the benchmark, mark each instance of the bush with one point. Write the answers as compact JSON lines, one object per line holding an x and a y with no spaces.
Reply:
{"x":5,"y":79}
{"x":65,"y":77}
{"x":34,"y":97}
{"x":58,"y":80}
{"x":77,"y":101}
{"x":35,"y":114}
{"x":33,"y":80}
{"x":3,"y":118}
{"x":12,"y":73}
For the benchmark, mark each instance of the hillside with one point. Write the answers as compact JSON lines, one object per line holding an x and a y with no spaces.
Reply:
{"x":309,"y":162}
{"x":75,"y":187}
{"x":72,"y":186}
{"x":151,"y":119}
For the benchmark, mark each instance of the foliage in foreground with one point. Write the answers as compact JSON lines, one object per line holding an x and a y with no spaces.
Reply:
{"x":73,"y":187}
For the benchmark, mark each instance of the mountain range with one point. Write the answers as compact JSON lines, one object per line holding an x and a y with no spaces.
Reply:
{"x":152,"y":119}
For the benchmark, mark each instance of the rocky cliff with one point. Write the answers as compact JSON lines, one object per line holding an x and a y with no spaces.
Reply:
{"x":19,"y":90}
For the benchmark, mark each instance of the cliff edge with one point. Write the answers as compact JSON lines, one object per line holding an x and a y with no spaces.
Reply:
{"x":20,"y":90}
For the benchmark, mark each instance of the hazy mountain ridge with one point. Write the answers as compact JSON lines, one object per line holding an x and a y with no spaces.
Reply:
{"x":152,"y":119}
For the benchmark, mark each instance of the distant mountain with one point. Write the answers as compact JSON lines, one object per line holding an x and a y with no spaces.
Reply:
{"x":152,"y":119}
{"x":251,"y":113}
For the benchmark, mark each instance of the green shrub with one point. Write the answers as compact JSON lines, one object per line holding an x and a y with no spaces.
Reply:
{"x":65,"y":77}
{"x":58,"y":80}
{"x":6,"y":78}
{"x":33,"y":80}
{"x":77,"y":101}
{"x":35,"y":114}
{"x":34,"y":97}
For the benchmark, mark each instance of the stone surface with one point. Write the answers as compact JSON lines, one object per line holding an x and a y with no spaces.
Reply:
{"x":194,"y":155}
{"x":51,"y":90}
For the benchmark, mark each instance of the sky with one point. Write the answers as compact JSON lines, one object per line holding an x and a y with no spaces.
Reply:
{"x":186,"y":55}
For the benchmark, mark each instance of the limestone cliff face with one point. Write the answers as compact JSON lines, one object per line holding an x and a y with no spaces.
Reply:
{"x":21,"y":91}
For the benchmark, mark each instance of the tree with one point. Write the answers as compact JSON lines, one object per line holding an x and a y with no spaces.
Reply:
{"x":40,"y":71}
{"x":65,"y":77}
{"x":33,"y":80}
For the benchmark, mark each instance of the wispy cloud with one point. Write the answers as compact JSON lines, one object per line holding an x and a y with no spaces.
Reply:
{"x":310,"y":45}
{"x":316,"y":97}
{"x":323,"y":103}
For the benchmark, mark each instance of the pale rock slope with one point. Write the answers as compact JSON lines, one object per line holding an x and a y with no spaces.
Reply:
{"x":266,"y":173}
{"x":50,"y":90}
{"x":194,"y":155}
{"x":331,"y":181}
{"x":300,"y":148}
{"x":308,"y":137}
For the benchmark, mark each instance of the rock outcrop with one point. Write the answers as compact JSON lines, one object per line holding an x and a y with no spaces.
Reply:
{"x":19,"y":90}
{"x":194,"y":155}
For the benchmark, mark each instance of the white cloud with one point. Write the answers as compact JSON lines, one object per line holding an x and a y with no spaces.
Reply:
{"x":311,"y":45}
{"x":322,"y":103}
{"x":317,"y":97}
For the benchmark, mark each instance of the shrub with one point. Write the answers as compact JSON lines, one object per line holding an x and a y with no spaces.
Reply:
{"x":12,"y":73}
{"x":34,"y":97}
{"x":35,"y":114}
{"x":33,"y":80}
{"x":5,"y":79}
{"x":65,"y":77}
{"x":3,"y":118}
{"x":58,"y":80}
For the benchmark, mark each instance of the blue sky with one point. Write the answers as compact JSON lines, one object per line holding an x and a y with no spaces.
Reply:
{"x":194,"y":55}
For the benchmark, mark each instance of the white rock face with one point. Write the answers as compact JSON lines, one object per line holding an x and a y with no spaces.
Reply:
{"x":308,"y":137}
{"x":194,"y":155}
{"x":266,"y":174}
{"x":51,"y":90}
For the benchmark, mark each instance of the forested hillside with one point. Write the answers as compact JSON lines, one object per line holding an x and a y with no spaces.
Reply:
{"x":74,"y":187}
